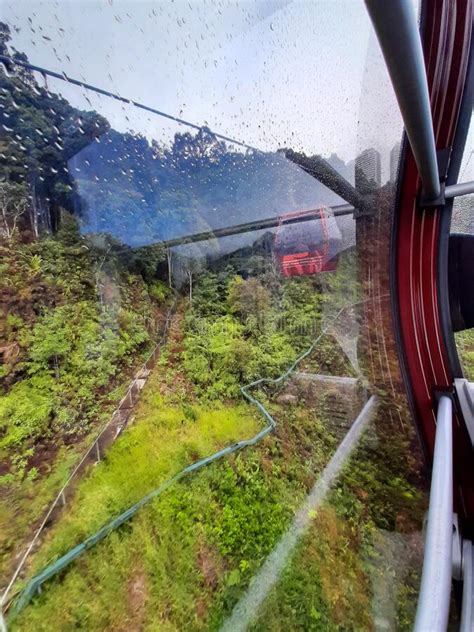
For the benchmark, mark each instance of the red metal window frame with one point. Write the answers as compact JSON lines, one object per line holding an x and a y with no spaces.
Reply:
{"x":447,"y":31}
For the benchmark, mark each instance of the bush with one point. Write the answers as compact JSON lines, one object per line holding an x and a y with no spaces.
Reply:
{"x":159,"y":291}
{"x":26,"y":411}
{"x":61,"y":345}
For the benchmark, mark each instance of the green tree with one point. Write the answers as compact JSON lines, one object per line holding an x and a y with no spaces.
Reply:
{"x":248,"y":298}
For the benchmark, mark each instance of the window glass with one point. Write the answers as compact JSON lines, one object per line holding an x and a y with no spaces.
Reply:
{"x":461,"y":262}
{"x":201,"y":390}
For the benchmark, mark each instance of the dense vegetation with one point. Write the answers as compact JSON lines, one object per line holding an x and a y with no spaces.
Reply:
{"x":359,"y":564}
{"x":73,"y":317}
{"x":229,"y":343}
{"x":185,"y":559}
{"x":75,"y":321}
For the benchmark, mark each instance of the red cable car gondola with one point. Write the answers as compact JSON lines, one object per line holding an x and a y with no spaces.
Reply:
{"x":302,"y":243}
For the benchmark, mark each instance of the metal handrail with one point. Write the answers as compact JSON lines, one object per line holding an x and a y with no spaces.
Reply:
{"x":399,"y":38}
{"x":435,"y":592}
{"x":462,"y":188}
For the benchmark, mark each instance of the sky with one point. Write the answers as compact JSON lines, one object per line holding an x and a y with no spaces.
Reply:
{"x":305,"y":75}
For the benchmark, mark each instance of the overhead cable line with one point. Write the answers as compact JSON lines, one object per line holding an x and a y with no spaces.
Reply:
{"x":344,"y":189}
{"x":5,"y":60}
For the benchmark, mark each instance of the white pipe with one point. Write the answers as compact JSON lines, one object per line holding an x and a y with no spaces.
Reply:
{"x":397,"y":31}
{"x":435,"y":592}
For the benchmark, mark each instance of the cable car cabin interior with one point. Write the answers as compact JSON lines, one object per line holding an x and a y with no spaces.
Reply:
{"x":199,"y":428}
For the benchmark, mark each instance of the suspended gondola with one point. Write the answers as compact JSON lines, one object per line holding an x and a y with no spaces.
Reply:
{"x":302,"y":243}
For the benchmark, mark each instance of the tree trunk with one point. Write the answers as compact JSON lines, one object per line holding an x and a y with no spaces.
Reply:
{"x":34,"y":211}
{"x":170,"y":263}
{"x":190,"y":276}
{"x":6,"y":229}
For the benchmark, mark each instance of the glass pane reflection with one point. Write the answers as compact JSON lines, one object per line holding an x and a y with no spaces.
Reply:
{"x":167,"y":293}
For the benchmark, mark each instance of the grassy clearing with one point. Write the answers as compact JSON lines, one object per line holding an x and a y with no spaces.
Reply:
{"x":186,"y":558}
{"x":153,"y":450}
{"x":25,"y":501}
{"x":324,"y":587}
